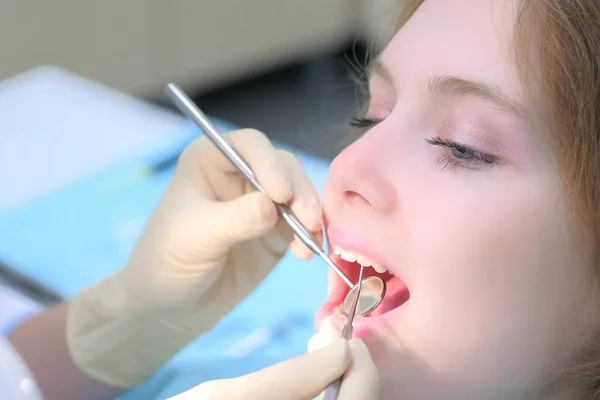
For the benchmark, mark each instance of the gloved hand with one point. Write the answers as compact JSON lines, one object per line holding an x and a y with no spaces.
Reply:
{"x":210,"y":241}
{"x":301,"y":378}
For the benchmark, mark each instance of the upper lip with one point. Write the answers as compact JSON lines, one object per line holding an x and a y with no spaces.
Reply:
{"x":349,"y":242}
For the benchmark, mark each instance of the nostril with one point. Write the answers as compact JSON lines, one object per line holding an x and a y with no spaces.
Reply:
{"x":380,"y":196}
{"x":361,"y":180}
{"x":352,"y":197}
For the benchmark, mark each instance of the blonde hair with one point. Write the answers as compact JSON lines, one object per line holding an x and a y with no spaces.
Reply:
{"x":557,"y":53}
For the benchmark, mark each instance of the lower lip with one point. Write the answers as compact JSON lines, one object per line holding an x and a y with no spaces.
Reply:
{"x":362,"y":326}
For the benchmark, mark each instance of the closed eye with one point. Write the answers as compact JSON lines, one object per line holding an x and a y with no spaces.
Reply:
{"x":363,"y":123}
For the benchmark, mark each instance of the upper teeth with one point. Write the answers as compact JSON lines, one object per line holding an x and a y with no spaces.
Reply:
{"x":351,"y":256}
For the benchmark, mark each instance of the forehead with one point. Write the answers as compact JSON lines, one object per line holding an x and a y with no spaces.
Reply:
{"x":467,"y":38}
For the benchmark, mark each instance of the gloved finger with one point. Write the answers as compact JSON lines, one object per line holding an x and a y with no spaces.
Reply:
{"x":246,"y":217}
{"x":262,"y":157}
{"x":300,"y":378}
{"x":361,"y":381}
{"x":303,"y":377}
{"x":305,"y":203}
{"x":300,"y":250}
{"x":329,"y":331}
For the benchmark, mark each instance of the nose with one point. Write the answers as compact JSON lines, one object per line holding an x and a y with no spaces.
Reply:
{"x":358,"y":177}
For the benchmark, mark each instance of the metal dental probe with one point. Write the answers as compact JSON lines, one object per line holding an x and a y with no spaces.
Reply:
{"x":333,"y":390}
{"x":187,"y":107}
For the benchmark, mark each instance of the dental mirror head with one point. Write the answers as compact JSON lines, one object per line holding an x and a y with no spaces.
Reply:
{"x":371,"y":295}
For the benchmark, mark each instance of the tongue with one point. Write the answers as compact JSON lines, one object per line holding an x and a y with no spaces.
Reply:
{"x":396,"y":294}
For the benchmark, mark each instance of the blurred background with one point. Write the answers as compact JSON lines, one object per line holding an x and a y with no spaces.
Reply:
{"x":83,"y":119}
{"x":276,"y":65}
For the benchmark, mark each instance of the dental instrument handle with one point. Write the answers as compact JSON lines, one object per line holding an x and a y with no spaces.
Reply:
{"x":190,"y":110}
{"x":333,"y":390}
{"x":334,"y":267}
{"x":310,"y":241}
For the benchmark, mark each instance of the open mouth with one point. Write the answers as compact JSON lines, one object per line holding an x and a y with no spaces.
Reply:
{"x":350,"y":262}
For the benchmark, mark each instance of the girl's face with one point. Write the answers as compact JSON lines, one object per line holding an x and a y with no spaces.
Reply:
{"x":455,"y":191}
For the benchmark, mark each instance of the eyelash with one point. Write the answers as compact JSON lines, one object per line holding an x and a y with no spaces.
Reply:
{"x":448,"y":158}
{"x":363,"y":123}
{"x":454,"y":161}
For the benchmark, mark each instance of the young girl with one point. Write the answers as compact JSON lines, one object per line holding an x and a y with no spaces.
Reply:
{"x":476,"y":185}
{"x":474,"y":191}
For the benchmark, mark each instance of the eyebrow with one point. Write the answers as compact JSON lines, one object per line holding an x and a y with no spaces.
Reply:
{"x":448,"y":85}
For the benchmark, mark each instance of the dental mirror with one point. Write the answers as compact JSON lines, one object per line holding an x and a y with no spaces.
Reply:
{"x":371,"y":294}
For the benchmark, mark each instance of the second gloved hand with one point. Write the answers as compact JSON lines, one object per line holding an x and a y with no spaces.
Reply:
{"x":301,"y":378}
{"x":210,"y":241}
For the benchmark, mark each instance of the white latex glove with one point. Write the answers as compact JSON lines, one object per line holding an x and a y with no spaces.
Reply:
{"x":301,"y":378}
{"x":210,"y":241}
{"x":362,"y":379}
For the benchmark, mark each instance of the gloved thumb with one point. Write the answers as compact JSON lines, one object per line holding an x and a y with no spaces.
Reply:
{"x":361,"y":381}
{"x":299,"y":378}
{"x":244,"y":218}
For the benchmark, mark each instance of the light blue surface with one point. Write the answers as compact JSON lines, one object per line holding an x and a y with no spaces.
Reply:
{"x":76,"y":236}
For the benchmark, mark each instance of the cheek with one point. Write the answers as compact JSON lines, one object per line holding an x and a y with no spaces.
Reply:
{"x":493,"y":268}
{"x":333,"y":203}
